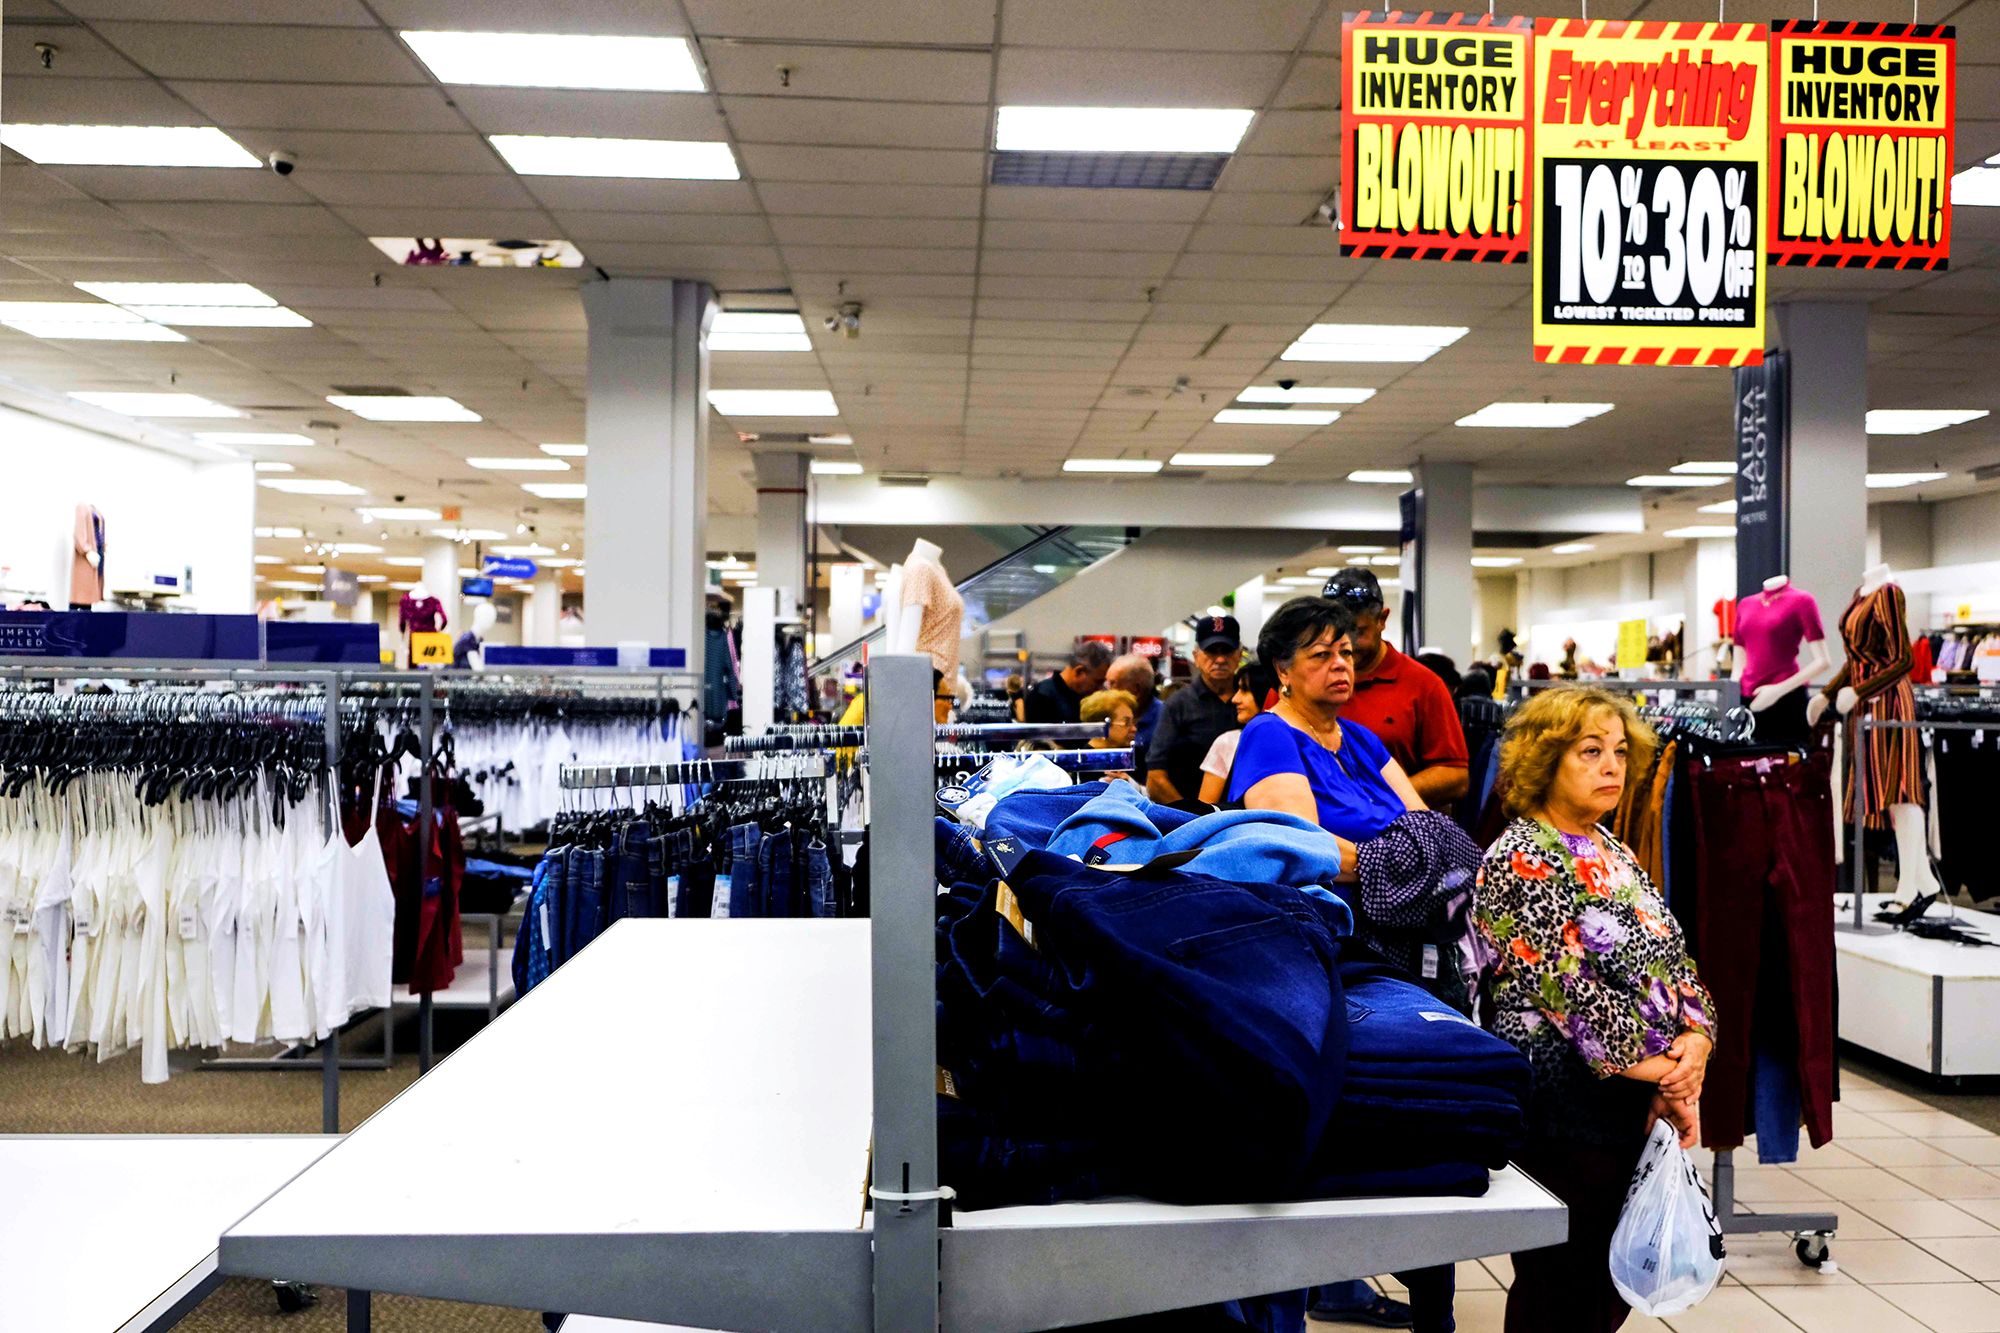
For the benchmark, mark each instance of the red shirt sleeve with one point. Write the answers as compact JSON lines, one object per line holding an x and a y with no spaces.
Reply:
{"x":1442,"y":737}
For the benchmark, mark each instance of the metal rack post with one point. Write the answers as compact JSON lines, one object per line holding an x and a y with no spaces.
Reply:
{"x":905,"y":1190}
{"x":427,"y":722}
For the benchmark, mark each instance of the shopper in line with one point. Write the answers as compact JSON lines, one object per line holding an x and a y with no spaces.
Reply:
{"x":1254,"y":684}
{"x":1303,"y":757}
{"x":1135,"y":675}
{"x":1059,"y":698}
{"x":1593,"y":982}
{"x":1116,"y":710}
{"x":1402,"y":702}
{"x":1196,"y":714}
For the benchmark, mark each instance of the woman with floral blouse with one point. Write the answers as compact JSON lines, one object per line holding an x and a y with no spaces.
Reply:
{"x":1593,"y":982}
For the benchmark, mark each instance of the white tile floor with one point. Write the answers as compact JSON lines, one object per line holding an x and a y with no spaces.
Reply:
{"x":1918,"y":1194}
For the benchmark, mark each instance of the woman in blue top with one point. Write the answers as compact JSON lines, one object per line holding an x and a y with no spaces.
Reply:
{"x":1300,"y":757}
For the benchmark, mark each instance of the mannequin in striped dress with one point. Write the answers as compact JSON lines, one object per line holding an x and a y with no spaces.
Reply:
{"x":1874,"y":682}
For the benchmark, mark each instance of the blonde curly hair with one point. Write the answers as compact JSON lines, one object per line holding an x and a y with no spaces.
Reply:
{"x":1541,"y":731}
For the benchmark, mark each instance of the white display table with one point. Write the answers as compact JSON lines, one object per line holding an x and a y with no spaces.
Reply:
{"x":112,"y":1233}
{"x":1925,"y":1003}
{"x":679,"y":1121}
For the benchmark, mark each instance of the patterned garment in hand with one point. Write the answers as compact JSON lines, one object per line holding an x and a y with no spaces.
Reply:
{"x":1593,"y":977}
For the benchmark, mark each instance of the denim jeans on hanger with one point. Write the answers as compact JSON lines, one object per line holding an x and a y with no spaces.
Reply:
{"x":818,"y":879}
{"x":743,"y":898}
{"x":586,"y":900}
{"x":776,"y":873}
{"x":695,"y":888}
{"x":630,"y":890}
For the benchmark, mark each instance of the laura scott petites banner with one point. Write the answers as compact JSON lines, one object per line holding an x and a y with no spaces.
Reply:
{"x":1763,"y":452}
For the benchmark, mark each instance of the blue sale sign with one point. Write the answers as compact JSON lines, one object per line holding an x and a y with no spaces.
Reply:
{"x":505,"y":568}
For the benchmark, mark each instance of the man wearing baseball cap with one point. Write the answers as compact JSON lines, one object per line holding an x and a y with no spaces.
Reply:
{"x":1198,"y":714}
{"x":1399,"y":698}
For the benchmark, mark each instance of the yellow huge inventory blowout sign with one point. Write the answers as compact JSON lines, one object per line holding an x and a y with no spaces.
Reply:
{"x":1650,"y":141}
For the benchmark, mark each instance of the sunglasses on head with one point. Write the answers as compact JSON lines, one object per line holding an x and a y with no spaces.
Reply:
{"x":1354,"y":595}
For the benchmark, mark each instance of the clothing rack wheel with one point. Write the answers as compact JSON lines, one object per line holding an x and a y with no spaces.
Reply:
{"x":1810,"y":1232}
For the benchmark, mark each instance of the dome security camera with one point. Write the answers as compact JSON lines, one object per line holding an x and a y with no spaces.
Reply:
{"x":1288,"y":385}
{"x":283,"y":163}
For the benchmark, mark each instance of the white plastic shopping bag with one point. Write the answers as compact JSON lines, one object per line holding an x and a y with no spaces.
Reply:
{"x":1667,"y":1252}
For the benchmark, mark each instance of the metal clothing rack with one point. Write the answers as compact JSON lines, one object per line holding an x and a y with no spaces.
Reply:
{"x":1858,"y":758}
{"x":783,"y":766}
{"x":808,"y":736}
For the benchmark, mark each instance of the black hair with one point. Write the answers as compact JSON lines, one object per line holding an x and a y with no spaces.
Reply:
{"x":1443,"y":667}
{"x":1257,"y":678}
{"x":1299,"y":622}
{"x":1090,"y":654}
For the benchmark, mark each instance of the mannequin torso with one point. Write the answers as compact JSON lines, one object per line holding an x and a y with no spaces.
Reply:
{"x":932,"y":612}
{"x":1782,"y":641}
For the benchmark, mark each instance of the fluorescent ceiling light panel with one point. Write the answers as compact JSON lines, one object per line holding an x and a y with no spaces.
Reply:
{"x":758,"y":342}
{"x":1117,"y":129}
{"x":835,"y":468}
{"x":630,"y":159}
{"x":275,"y":467}
{"x":758,"y":331}
{"x":355,"y":548}
{"x":1385,"y":560}
{"x":267,"y":559}
{"x":417,"y":513}
{"x":1382,"y":476}
{"x":127,"y":146}
{"x":518,"y":464}
{"x":403,"y":407}
{"x":1890,"y":481}
{"x":829,"y":439}
{"x":1275,"y":416}
{"x":1111,"y":465}
{"x":1361,"y":550}
{"x":157,"y":404}
{"x":1720,"y":468}
{"x":224,"y":317}
{"x":1534,"y":416}
{"x":1301,"y":581}
{"x":1701,"y":530}
{"x":468,"y":534}
{"x":136,"y":332}
{"x":1573,"y":548}
{"x":288,"y":534}
{"x":1495,"y":561}
{"x":1668,"y":479}
{"x":566,"y":450}
{"x":66,"y":312}
{"x":371,"y":578}
{"x":312,"y":486}
{"x":1271,"y":393}
{"x":558,"y":60}
{"x":179,"y":293}
{"x":1221,"y":460}
{"x":1719,"y":507}
{"x":275,"y":438}
{"x":1373,"y":342}
{"x":405,"y":561}
{"x":1323,"y":571}
{"x":1976,"y":187}
{"x":557,"y":490}
{"x":294,"y":585}
{"x":773,"y":402}
{"x":1887,"y":421}
{"x":531,"y":548}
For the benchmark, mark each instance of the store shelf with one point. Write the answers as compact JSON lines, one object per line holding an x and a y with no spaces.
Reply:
{"x":471,"y":983}
{"x":1008,"y":1270}
{"x":674,"y":1127}
{"x":1926,"y":1003}
{"x":117,"y":1232}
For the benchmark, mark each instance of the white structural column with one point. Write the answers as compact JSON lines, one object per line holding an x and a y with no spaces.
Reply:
{"x":1826,"y":482}
{"x":1250,"y":610}
{"x":542,"y":615}
{"x":845,"y":585}
{"x":645,"y":518}
{"x":441,"y":578}
{"x":781,"y":527}
{"x":1444,"y":581}
{"x":1711,"y":578}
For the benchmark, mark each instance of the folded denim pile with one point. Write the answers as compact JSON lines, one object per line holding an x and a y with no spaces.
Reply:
{"x":1192,"y":1019}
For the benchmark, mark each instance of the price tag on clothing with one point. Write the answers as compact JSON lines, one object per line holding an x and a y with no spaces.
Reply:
{"x":80,"y":916}
{"x":187,"y":922}
{"x":16,"y":916}
{"x":547,"y":934}
{"x":1430,"y":962}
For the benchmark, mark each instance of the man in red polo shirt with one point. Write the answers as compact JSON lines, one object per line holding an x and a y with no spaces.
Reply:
{"x":1400,"y":699}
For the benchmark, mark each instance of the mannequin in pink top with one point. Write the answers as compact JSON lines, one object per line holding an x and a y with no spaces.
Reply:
{"x":1782,"y":647}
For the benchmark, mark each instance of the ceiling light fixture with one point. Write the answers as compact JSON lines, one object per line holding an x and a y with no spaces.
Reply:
{"x":1977,"y":186}
{"x":773,"y":402}
{"x":1719,"y":507}
{"x":558,"y":60}
{"x":281,"y":439}
{"x":1719,"y":468}
{"x":835,"y":468}
{"x":628,"y":159}
{"x":126,"y":146}
{"x":1373,"y":342}
{"x":1323,"y":571}
{"x":417,"y":513}
{"x":830,"y":439}
{"x":757,"y":331}
{"x":138,"y":331}
{"x":1701,"y":530}
{"x":218,"y":294}
{"x":557,"y":490}
{"x":1891,"y":481}
{"x":312,"y":486}
{"x":1382,"y":476}
{"x":1895,"y":421}
{"x":530,"y":548}
{"x":1385,"y":560}
{"x":371,"y":578}
{"x":1667,"y":479}
{"x":1534,"y":416}
{"x":518,"y":464}
{"x":1221,"y":460}
{"x":156,"y":404}
{"x":468,"y":534}
{"x":1495,"y":561}
{"x":1115,"y":129}
{"x":270,"y":467}
{"x":1261,"y":393}
{"x":1301,"y":581}
{"x":355,"y":548}
{"x":1296,"y":418}
{"x":403,"y":407}
{"x":285,"y":534}
{"x":224,"y":317}
{"x":1573,"y":548}
{"x":1361,"y":550}
{"x":267,"y":559}
{"x":566,"y":450}
{"x":1132,"y":465}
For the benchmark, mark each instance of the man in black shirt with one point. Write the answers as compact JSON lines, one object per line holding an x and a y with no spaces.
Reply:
{"x":1195,"y":716}
{"x":1060,"y":697}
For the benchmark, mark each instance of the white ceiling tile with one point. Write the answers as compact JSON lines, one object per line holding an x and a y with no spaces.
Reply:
{"x":868,"y":259}
{"x":916,"y":22}
{"x":828,"y":199}
{"x":697,"y":228}
{"x":1034,"y":76}
{"x":638,"y":18}
{"x":60,"y":101}
{"x":884,"y":74}
{"x":248,"y":219}
{"x":416,"y":189}
{"x":1280,"y":209}
{"x":257,"y":51}
{"x":1314,"y":82}
{"x":1015,"y":234}
{"x":643,"y":256}
{"x":1311,"y":242}
{"x":179,"y":184}
{"x":592,"y":194}
{"x":1080,"y":312}
{"x":936,"y":288}
{"x":796,"y":231}
{"x":1271,"y":25}
{"x":79,"y":54}
{"x":1294,"y":132}
{"x":1248,"y":172}
{"x":346,"y":13}
{"x":360,"y":150}
{"x":590,"y":113}
{"x":776,"y":162}
{"x":311,"y":106}
{"x":1040,"y":285}
{"x":529,"y":224}
{"x":801,"y":120}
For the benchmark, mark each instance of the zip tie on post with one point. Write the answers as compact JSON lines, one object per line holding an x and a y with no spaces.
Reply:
{"x":917,"y":1196}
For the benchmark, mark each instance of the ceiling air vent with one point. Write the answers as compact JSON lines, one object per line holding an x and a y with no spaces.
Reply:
{"x":322,"y":425}
{"x":370,"y":391}
{"x":461,"y":482}
{"x":1988,"y":472}
{"x":1110,"y":171}
{"x":905,"y":479}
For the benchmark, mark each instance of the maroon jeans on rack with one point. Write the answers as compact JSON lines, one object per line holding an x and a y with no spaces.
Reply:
{"x":1764,"y":851}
